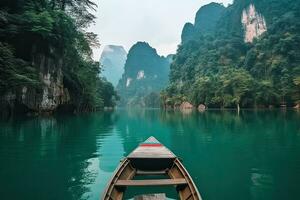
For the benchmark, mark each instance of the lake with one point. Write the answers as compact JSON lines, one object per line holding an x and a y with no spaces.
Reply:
{"x":251,"y":156}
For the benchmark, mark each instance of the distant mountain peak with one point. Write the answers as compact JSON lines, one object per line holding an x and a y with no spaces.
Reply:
{"x":145,"y":73}
{"x":208,"y":16}
{"x":111,"y":48}
{"x":206,"y":21}
{"x":113,"y":59}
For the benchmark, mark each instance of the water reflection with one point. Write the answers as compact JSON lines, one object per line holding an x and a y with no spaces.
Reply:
{"x":253,"y":155}
{"x":50,"y":158}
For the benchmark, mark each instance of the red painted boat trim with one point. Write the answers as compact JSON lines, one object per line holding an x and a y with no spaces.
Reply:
{"x":151,"y":145}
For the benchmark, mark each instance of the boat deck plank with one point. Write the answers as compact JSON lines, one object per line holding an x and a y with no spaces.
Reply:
{"x":151,"y":152}
{"x":151,"y":148}
{"x":148,"y":159}
{"x":152,"y":182}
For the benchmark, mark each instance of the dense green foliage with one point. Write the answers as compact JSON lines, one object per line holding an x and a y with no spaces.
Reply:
{"x":14,"y":71}
{"x":146,"y":73}
{"x":56,"y":30}
{"x":221,"y":70}
{"x":206,"y":20}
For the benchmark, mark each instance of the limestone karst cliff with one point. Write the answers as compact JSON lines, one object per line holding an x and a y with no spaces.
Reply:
{"x":112,"y":61}
{"x":253,"y":22}
{"x":46,"y":58}
{"x":146,"y":73}
{"x":250,"y":60}
{"x":47,"y":96}
{"x":206,"y":21}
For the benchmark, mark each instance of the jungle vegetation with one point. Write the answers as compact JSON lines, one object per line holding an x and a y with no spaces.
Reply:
{"x":57,"y":29}
{"x":220,"y":70}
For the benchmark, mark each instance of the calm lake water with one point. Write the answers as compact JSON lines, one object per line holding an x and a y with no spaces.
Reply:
{"x":254,"y":155}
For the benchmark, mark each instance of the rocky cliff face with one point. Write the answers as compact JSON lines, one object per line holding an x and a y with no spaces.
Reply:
{"x":206,"y":21}
{"x":44,"y":98}
{"x":244,"y":19}
{"x":145,"y":72}
{"x":113,"y":59}
{"x":254,"y":23}
{"x":208,"y":16}
{"x":264,"y":69}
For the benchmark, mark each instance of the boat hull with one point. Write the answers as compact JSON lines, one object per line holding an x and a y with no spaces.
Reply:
{"x":159,"y":161}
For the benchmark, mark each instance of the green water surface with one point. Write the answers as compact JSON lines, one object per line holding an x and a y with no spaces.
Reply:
{"x":251,"y":156}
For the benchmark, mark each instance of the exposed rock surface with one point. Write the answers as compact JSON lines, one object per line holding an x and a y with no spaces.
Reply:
{"x":201,"y":107}
{"x":253,"y":22}
{"x":44,"y":98}
{"x":113,"y":59}
{"x":186,"y":105}
{"x":145,"y":72}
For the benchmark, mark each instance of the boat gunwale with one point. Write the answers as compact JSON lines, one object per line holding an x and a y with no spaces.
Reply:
{"x":127,"y":162}
{"x":188,"y":178}
{"x":111,"y":183}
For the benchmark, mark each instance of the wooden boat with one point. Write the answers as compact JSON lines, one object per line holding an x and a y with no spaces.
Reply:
{"x":148,"y":159}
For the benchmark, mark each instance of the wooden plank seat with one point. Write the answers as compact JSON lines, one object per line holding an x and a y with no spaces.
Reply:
{"x":152,"y":182}
{"x":140,"y":172}
{"x":151,"y":158}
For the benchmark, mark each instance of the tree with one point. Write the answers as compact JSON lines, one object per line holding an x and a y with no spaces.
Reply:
{"x":220,"y":69}
{"x":296,"y":96}
{"x":265,"y":93}
{"x":237,"y":83}
{"x":15,"y":72}
{"x":56,"y":31}
{"x":203,"y":90}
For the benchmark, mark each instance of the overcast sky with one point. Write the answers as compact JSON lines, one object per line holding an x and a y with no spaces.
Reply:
{"x":158,"y":22}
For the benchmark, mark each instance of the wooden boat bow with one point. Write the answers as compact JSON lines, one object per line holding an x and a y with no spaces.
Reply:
{"x":151,"y":158}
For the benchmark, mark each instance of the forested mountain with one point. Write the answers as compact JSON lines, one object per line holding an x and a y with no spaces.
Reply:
{"x":146,"y":73}
{"x":206,"y":21}
{"x":250,"y":59}
{"x":113,"y":59}
{"x":45,"y":57}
